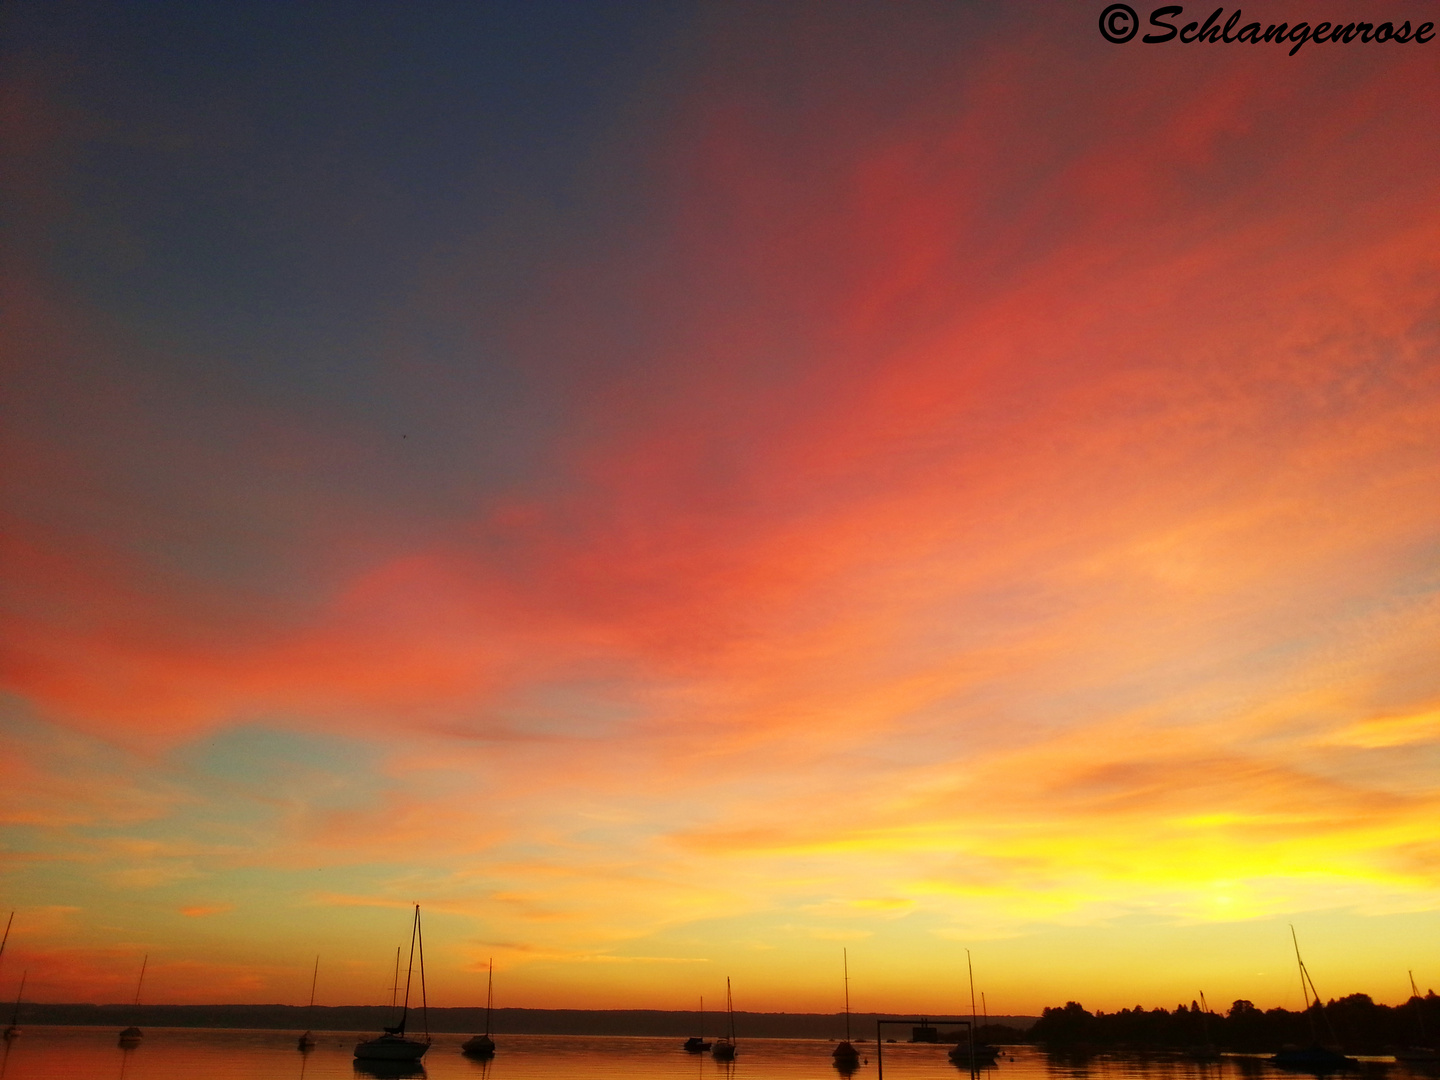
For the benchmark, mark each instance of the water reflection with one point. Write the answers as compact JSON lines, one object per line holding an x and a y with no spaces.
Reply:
{"x":47,"y":1053}
{"x":389,"y":1069}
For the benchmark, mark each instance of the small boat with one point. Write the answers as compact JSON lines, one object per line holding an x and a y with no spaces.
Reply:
{"x":724,"y":1048}
{"x":1314,"y":1058}
{"x":1206,"y":1050}
{"x":394,"y":1045}
{"x":1420,"y":1053}
{"x":696,"y":1044}
{"x":13,"y":1031}
{"x":845,"y":1055}
{"x":307,"y":1041}
{"x":968,"y":1052}
{"x":482,"y":1046}
{"x":132,"y":1035}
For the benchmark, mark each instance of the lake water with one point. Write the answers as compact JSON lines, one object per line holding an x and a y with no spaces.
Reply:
{"x":68,"y":1053}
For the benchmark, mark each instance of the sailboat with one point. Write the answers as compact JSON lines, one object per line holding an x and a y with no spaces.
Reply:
{"x":483,"y":1045}
{"x":132,"y":1035}
{"x":1314,"y":1058}
{"x":845,"y":1055}
{"x":696,"y":1044}
{"x":13,"y":1031}
{"x":394,"y":1045}
{"x":307,"y":1041}
{"x":1420,"y":1052}
{"x":1206,"y":1050}
{"x":970,"y":1053}
{"x":724,"y":1048}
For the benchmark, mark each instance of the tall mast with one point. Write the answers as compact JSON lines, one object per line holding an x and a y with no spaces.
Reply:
{"x":410,"y":970}
{"x":845,"y":956}
{"x":424,"y":1001}
{"x":970,"y":967}
{"x":1419,"y":1006}
{"x":141,"y":981}
{"x":730,"y":1005}
{"x":1304,"y":990}
{"x":15,"y":1020}
{"x":395,"y":986}
{"x":489,"y":995}
{"x":12,"y":919}
{"x":1307,"y":987}
{"x":313,"y":978}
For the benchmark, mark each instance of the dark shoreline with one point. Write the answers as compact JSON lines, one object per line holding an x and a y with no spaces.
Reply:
{"x":654,"y":1022}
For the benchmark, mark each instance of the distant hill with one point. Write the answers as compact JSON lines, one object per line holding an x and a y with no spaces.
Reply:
{"x":508,"y":1021}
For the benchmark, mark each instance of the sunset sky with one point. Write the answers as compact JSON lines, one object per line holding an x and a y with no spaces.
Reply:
{"x":679,"y":490}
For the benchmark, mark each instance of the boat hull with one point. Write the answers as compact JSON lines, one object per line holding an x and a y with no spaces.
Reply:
{"x":479,"y":1046}
{"x":1314,"y":1059}
{"x":391,"y":1048}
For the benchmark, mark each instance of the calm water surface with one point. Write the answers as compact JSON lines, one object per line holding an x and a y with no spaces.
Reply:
{"x":53,"y":1053}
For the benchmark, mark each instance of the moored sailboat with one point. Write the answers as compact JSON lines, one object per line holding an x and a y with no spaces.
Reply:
{"x":1314,"y":1058}
{"x":484,"y":1045}
{"x":132,"y":1035}
{"x":845,"y":1055}
{"x":724,"y":1048}
{"x":307,"y":1041}
{"x":968,"y":1052}
{"x":1420,"y":1052}
{"x":696,"y":1044}
{"x":13,"y":1031}
{"x":394,"y":1044}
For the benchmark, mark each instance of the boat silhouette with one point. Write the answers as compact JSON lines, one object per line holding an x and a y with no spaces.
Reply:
{"x":132,"y":1035}
{"x":845,"y":1055}
{"x":1314,"y":1058}
{"x":483,"y":1046}
{"x":696,"y":1044}
{"x":724,"y":1048}
{"x":306,"y":1042}
{"x":394,"y":1045}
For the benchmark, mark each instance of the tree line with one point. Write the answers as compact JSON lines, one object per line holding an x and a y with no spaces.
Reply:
{"x":1355,"y":1022}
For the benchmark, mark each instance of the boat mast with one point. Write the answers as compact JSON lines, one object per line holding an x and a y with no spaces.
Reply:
{"x":424,"y":1002}
{"x":730,"y":1005}
{"x":971,"y":968}
{"x":845,"y":957}
{"x":1307,"y":987}
{"x":1419,"y":1009}
{"x":12,"y":919}
{"x":395,"y":986}
{"x":313,"y":978}
{"x":409,"y":971}
{"x":141,"y":981}
{"x":15,"y":1019}
{"x":489,"y":995}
